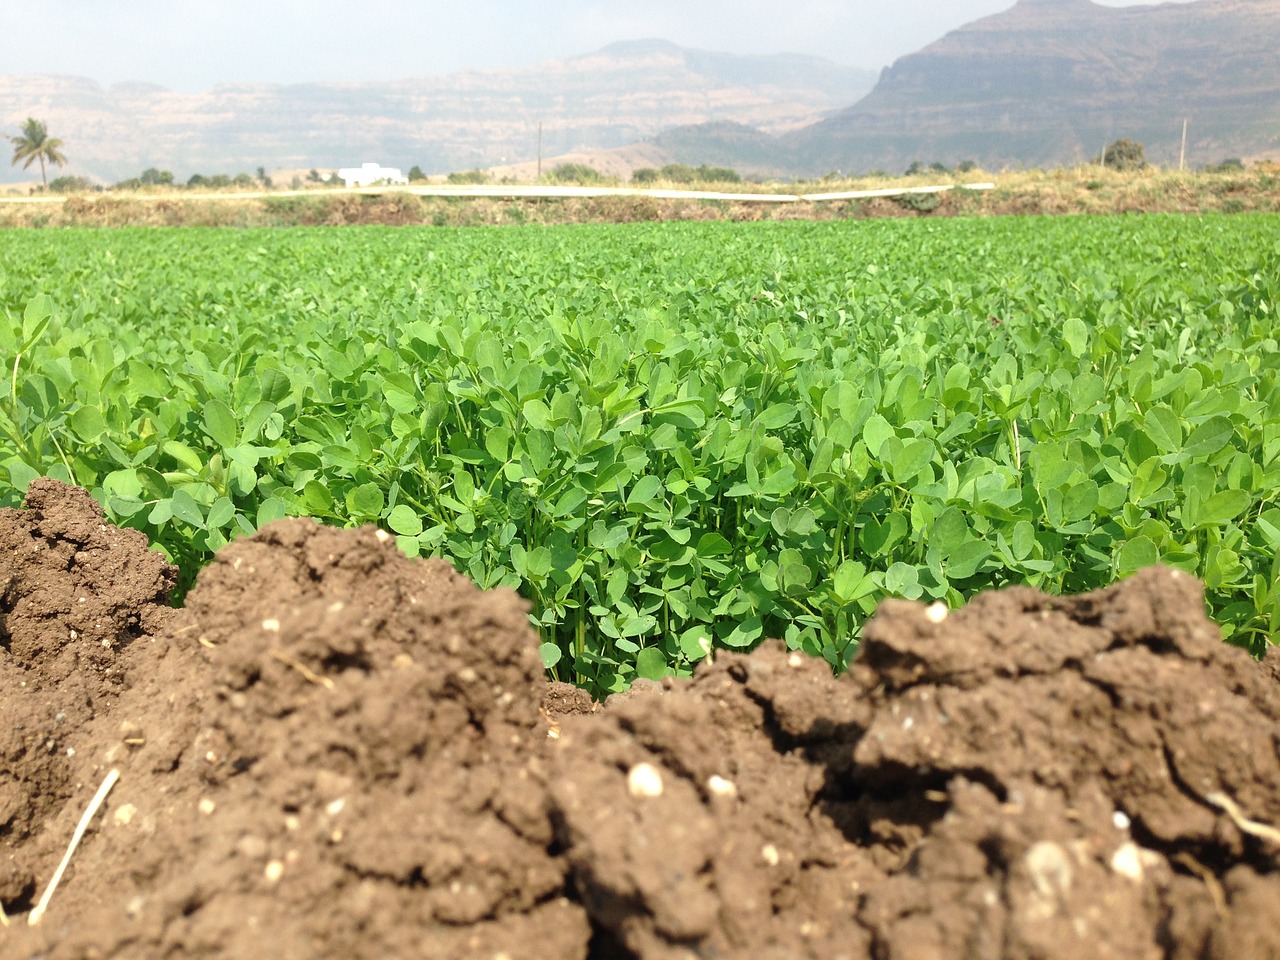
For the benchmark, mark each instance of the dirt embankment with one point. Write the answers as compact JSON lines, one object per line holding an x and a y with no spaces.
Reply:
{"x":1082,"y":190}
{"x":334,"y":751}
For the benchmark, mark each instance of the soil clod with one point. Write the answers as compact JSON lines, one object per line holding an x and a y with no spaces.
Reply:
{"x":334,"y":751}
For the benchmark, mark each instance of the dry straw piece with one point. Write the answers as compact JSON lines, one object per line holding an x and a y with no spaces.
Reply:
{"x":309,"y":675}
{"x":1252,"y":827}
{"x":94,"y":804}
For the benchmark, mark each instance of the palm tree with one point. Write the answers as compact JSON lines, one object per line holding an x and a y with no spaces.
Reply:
{"x":35,"y":144}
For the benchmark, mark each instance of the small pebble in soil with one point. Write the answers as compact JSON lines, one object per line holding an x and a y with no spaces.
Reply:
{"x":1127,"y":861}
{"x":1049,"y":869}
{"x":644,"y":780}
{"x":721,"y":787}
{"x":936,"y":612}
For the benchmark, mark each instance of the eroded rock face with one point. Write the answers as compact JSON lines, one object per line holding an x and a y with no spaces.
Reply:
{"x":335,"y":751}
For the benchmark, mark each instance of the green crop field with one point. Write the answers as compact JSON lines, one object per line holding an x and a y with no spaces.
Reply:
{"x":669,"y":436}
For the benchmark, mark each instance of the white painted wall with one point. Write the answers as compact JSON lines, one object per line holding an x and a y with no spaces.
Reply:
{"x":367,"y":174}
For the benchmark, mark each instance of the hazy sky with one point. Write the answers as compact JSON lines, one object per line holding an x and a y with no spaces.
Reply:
{"x":192,"y":46}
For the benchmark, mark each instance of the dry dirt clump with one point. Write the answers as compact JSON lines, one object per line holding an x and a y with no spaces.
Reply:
{"x":1101,"y":767}
{"x":339,"y":755}
{"x":74,"y":593}
{"x":335,"y":751}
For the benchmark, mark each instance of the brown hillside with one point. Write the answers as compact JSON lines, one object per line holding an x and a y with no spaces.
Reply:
{"x":1052,"y":81}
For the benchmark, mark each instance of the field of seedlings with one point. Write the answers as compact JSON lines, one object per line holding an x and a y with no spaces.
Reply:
{"x":704,"y":455}
{"x":673,"y":437}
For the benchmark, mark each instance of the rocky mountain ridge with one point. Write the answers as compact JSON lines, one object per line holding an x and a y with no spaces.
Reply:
{"x":1046,"y":83}
{"x":618,"y":95}
{"x":1052,"y":81}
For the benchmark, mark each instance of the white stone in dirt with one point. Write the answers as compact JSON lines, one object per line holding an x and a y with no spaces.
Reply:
{"x":936,"y":612}
{"x":644,"y":780}
{"x":1049,"y":868}
{"x":721,"y":787}
{"x":1127,"y":861}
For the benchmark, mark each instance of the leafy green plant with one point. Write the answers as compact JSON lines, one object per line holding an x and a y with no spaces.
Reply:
{"x":919,"y":202}
{"x":674,"y":437}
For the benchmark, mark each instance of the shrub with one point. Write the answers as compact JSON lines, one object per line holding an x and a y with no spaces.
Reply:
{"x":217,"y":181}
{"x":718,"y":174}
{"x":1125,"y":154}
{"x":475,"y":176}
{"x":70,"y":185}
{"x":683,"y":173}
{"x":919,"y":202}
{"x":152,"y":177}
{"x":415,"y":174}
{"x":1229,"y":165}
{"x":573,"y":173}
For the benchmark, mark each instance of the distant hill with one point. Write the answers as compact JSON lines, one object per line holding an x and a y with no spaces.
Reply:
{"x":1052,"y":81}
{"x":727,"y":144}
{"x":1048,"y":82}
{"x":616,"y":96}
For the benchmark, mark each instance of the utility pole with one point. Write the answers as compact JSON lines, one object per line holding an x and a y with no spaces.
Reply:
{"x":539,"y":150}
{"x":1182,"y":154}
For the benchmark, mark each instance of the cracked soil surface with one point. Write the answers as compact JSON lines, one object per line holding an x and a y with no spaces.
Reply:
{"x":333,"y":751}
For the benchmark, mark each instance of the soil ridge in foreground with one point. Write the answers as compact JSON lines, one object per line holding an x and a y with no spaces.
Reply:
{"x":335,"y":751}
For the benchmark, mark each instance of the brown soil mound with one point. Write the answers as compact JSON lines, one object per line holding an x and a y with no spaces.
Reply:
{"x":334,"y":751}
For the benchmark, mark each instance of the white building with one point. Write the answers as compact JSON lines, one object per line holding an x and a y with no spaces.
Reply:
{"x":367,"y":174}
